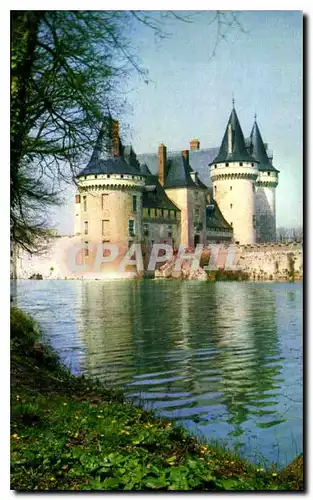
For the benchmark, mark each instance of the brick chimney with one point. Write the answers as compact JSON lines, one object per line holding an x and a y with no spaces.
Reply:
{"x":162,"y":164}
{"x":185,"y":154}
{"x":115,"y":138}
{"x":194,"y":144}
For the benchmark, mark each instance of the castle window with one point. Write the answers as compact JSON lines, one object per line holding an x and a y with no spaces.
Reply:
{"x":86,"y":227}
{"x":86,"y":250}
{"x":227,"y":164}
{"x":85,"y":203}
{"x":230,"y":188}
{"x":131,"y":227}
{"x":106,"y":251}
{"x":241,"y":163}
{"x":134,"y":203}
{"x":103,"y":200}
{"x":105,"y":226}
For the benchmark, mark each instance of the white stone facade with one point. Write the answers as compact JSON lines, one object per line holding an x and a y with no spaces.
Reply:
{"x":234,"y":192}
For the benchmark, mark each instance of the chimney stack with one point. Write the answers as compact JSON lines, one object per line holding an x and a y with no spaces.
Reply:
{"x":115,"y":138}
{"x":194,"y":145}
{"x":162,"y":163}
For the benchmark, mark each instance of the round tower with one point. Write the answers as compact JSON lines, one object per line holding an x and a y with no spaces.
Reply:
{"x":265,"y":188}
{"x":108,"y":204}
{"x":234,"y":173}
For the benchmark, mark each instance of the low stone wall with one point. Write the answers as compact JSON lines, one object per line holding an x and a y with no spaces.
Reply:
{"x":279,"y":262}
{"x":266,"y":262}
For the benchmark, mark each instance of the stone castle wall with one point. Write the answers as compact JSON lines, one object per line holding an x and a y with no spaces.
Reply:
{"x":277,"y":262}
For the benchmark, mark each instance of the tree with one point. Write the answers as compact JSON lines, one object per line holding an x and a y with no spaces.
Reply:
{"x":67,"y":70}
{"x":285,"y":235}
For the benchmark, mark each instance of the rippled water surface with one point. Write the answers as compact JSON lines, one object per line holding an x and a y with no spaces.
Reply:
{"x":224,"y":358}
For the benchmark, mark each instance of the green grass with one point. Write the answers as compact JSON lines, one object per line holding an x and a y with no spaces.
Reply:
{"x":71,"y":433}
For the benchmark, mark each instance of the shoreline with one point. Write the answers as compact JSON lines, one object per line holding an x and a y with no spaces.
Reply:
{"x":72,"y":433}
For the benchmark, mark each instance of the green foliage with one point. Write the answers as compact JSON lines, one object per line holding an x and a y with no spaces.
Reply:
{"x":71,"y":433}
{"x":67,"y":68}
{"x":224,"y":275}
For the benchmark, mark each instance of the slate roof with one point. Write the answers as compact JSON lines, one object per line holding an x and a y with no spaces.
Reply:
{"x":258,"y":150}
{"x":215,"y":219}
{"x":157,"y":198}
{"x":103,"y":161}
{"x":198,"y":161}
{"x":178,"y":173}
{"x":239,"y":150}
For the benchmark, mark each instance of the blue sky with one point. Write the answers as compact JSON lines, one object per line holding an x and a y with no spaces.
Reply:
{"x":190,"y":93}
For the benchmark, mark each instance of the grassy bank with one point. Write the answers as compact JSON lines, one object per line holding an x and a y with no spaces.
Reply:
{"x":69,"y":433}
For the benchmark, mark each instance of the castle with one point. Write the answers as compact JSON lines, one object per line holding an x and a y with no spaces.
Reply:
{"x":124,"y":198}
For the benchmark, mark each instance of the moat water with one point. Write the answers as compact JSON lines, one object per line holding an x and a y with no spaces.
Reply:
{"x":224,"y":359}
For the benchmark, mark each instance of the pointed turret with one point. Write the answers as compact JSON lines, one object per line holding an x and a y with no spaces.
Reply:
{"x":179,"y":173}
{"x":257,"y":149}
{"x":103,"y":146}
{"x":107,"y":156}
{"x":233,"y":148}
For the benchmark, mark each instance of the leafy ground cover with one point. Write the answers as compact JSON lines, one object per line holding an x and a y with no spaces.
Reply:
{"x":71,"y":433}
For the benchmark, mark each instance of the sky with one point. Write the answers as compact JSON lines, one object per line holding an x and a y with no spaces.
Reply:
{"x":189,"y":94}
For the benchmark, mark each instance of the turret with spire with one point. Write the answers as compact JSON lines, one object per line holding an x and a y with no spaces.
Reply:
{"x":265,"y":188}
{"x":109,"y":195}
{"x":233,"y":173}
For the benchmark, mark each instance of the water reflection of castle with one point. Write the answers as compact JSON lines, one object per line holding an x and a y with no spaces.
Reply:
{"x":203,"y":348}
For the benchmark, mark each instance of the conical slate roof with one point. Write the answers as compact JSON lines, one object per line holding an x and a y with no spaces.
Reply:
{"x":237,"y":151}
{"x":178,"y":175}
{"x":102,"y":160}
{"x":258,"y":151}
